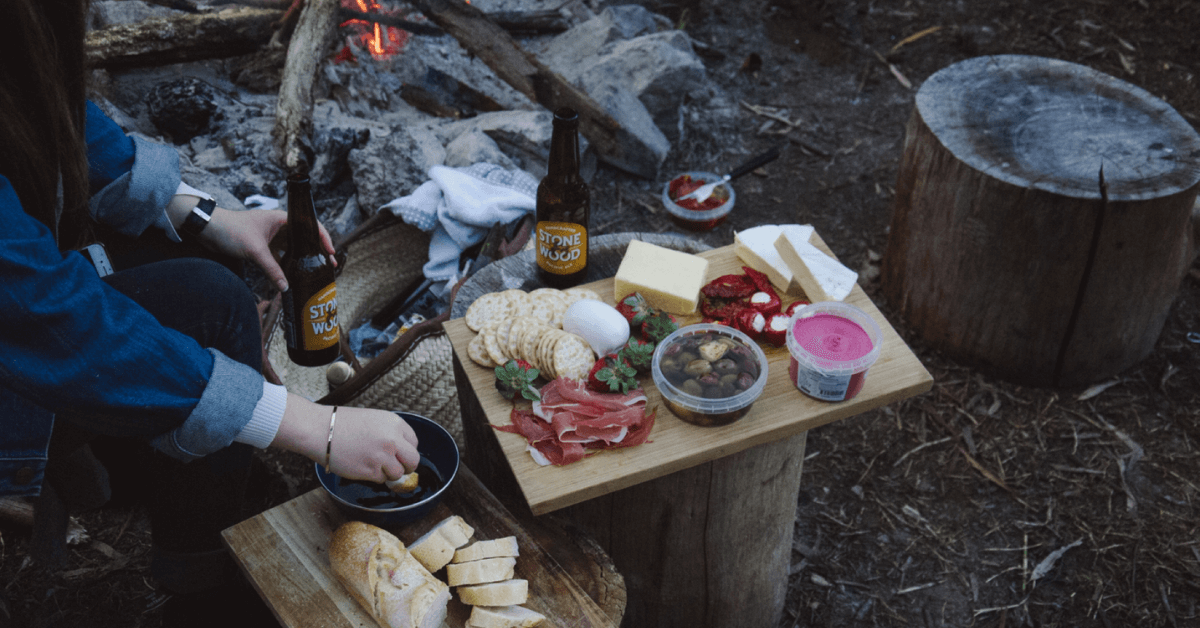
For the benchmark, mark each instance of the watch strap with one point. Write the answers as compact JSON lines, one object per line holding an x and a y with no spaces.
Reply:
{"x":197,"y":219}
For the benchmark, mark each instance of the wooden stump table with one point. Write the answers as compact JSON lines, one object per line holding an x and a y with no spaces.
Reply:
{"x":698,"y":520}
{"x":1042,"y":218}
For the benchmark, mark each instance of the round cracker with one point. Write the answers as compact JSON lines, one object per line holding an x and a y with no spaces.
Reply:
{"x":547,"y":306}
{"x":577,"y":293}
{"x":572,"y":357}
{"x":519,"y":300}
{"x":516,"y":334}
{"x":532,"y":335}
{"x":495,"y":338}
{"x":478,"y":353}
{"x":489,"y":307}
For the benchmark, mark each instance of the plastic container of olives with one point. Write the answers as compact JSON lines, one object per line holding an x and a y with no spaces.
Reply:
{"x":709,"y":375}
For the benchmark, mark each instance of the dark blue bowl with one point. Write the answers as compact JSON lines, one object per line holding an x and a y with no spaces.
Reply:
{"x":437,"y":449}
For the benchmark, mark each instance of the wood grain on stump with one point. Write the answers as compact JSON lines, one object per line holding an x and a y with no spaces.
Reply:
{"x":1005,"y":250}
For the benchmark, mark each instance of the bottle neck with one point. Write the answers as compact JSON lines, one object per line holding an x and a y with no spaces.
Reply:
{"x":302,"y":215}
{"x":564,"y":147}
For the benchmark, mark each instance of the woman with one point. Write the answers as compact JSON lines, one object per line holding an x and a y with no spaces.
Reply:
{"x":160,"y":358}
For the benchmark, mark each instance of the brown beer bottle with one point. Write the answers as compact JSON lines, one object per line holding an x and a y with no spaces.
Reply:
{"x":563,"y":207}
{"x":310,"y":304}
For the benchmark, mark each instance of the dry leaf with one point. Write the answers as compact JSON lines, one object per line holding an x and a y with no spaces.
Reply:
{"x":1095,"y":390}
{"x":1043,"y":568}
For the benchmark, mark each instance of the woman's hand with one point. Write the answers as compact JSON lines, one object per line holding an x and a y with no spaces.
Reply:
{"x":247,"y":235}
{"x":372,"y":445}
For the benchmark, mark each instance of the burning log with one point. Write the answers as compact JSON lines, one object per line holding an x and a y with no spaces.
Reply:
{"x":192,"y":37}
{"x":315,"y":32}
{"x":525,"y":73}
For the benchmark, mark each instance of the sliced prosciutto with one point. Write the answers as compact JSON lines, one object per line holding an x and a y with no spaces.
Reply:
{"x":570,"y":419}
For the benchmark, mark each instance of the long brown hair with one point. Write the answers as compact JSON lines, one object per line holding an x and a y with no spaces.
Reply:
{"x":42,"y":112}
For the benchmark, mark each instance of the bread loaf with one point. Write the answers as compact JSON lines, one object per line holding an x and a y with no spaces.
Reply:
{"x":435,"y":548}
{"x":495,"y":548}
{"x":480,"y":571}
{"x":385,"y":579}
{"x":504,"y":617}
{"x":506,"y":593}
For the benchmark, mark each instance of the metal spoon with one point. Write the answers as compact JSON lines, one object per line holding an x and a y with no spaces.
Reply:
{"x":702,"y":193}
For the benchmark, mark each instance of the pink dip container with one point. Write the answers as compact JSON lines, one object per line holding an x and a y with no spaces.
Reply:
{"x":832,"y":346}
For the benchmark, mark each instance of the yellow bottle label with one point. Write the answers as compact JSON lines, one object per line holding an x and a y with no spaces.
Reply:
{"x":319,"y":321}
{"x":561,"y":247}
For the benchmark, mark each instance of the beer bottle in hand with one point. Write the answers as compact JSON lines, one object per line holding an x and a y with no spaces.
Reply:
{"x":310,"y":303}
{"x":563,"y":207}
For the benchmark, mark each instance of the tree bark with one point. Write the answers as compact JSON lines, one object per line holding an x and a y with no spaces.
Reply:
{"x":1042,"y":219}
{"x":315,"y":31}
{"x":525,"y":73}
{"x":163,"y":41}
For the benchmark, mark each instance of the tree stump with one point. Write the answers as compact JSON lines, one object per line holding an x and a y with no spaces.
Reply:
{"x":1042,"y":218}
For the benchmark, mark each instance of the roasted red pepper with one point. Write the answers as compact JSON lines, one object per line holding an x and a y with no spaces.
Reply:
{"x":729,"y":287}
{"x":775,"y":331}
{"x":792,"y":307}
{"x":766,"y":302}
{"x":761,"y":281}
{"x":721,"y":308}
{"x":751,"y":322}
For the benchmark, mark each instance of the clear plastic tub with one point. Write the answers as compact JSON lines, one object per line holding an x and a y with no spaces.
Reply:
{"x":832,"y":345}
{"x":699,"y":220}
{"x":704,"y":404}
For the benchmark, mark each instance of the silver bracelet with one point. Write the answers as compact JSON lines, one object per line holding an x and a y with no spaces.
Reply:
{"x":329,"y":443}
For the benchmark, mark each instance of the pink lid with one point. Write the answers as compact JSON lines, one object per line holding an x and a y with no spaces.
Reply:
{"x":832,"y":338}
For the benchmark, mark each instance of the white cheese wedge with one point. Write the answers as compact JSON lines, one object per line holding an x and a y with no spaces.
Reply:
{"x":756,"y":247}
{"x":822,"y":277}
{"x":669,"y":280}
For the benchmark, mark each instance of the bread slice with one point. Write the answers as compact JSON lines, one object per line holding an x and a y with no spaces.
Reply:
{"x":504,"y":617}
{"x":415,"y":598}
{"x":495,"y":548}
{"x":480,"y":571}
{"x":436,"y":547}
{"x":506,"y":593}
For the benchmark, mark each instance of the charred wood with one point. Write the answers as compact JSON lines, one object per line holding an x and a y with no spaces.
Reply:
{"x":315,"y":31}
{"x":154,"y":42}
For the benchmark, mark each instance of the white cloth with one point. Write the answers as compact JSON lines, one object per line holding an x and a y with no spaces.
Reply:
{"x":459,"y":205}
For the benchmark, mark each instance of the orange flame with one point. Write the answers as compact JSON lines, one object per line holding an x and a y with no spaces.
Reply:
{"x":381,"y":41}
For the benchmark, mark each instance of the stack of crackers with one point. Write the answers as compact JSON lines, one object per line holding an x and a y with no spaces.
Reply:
{"x":519,"y":325}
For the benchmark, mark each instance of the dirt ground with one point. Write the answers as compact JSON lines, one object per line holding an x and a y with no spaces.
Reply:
{"x":980,"y":503}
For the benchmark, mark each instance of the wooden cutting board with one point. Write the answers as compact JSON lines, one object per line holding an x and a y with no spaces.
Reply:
{"x":782,"y":411}
{"x":283,"y":553}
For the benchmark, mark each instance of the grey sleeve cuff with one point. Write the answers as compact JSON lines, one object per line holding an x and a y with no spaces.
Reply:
{"x":136,"y":199}
{"x":225,"y":407}
{"x":268,"y":414}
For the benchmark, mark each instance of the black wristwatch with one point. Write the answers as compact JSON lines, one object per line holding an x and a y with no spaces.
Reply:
{"x":198,"y":218}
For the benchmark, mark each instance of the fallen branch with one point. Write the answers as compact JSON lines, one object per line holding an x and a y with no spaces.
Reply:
{"x":315,"y":31}
{"x":195,"y":37}
{"x":526,"y":74}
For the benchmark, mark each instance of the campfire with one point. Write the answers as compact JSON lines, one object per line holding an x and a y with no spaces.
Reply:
{"x":381,"y":41}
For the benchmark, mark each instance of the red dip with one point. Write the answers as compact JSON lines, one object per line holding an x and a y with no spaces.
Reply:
{"x":829,"y":342}
{"x":684,"y":185}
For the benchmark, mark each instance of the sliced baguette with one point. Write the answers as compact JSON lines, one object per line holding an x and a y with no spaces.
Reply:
{"x":385,"y":579}
{"x":495,"y":548}
{"x":504,"y":617}
{"x":480,"y":571}
{"x":507,"y":593}
{"x":436,"y":547}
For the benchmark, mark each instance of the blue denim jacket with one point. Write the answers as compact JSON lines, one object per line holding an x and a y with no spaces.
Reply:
{"x":71,"y":344}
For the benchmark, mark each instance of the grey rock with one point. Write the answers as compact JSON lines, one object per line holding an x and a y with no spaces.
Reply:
{"x":476,"y":147}
{"x":567,"y":51}
{"x":645,"y":146}
{"x":660,"y":69}
{"x":345,"y":220}
{"x":392,"y":164}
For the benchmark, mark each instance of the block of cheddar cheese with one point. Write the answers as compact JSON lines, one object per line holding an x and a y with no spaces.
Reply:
{"x":822,"y":277}
{"x":756,"y":247}
{"x":669,"y":280}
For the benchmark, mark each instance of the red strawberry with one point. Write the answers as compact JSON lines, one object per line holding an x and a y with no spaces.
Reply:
{"x":517,"y":377}
{"x":612,"y":373}
{"x":634,"y":308}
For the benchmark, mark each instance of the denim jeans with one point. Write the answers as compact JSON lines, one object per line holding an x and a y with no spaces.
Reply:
{"x":188,"y":504}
